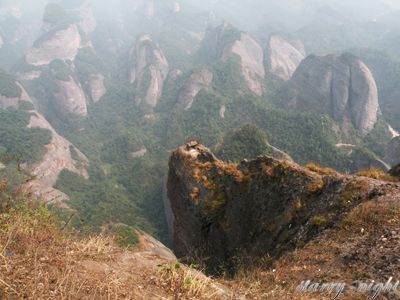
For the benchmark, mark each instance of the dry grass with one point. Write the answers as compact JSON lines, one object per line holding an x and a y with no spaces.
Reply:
{"x":40,"y":261}
{"x":376,"y":173}
{"x":320,"y":170}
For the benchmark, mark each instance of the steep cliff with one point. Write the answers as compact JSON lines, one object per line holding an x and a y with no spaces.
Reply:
{"x":148,"y":68}
{"x":201,"y":78}
{"x":58,"y":156}
{"x":226,"y":41}
{"x":281,"y":58}
{"x":256,"y":207}
{"x":96,"y":86}
{"x":69,"y":99}
{"x":330,"y":84}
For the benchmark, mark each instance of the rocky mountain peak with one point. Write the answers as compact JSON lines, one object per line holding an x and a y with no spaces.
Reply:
{"x":149,"y":68}
{"x":330,"y":84}
{"x":281,"y":58}
{"x":225,"y":41}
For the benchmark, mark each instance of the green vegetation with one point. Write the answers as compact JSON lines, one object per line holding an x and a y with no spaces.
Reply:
{"x":25,"y":105}
{"x":16,"y":138}
{"x":248,"y":142}
{"x":8,"y":86}
{"x":55,"y":14}
{"x":127,"y":236}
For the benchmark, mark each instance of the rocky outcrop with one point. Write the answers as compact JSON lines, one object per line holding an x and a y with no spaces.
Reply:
{"x":259,"y":207}
{"x":139,"y":153}
{"x":201,"y":78}
{"x":63,"y":44}
{"x":39,"y":190}
{"x":281,"y":58}
{"x":279,"y":154}
{"x":149,"y":68}
{"x":83,"y":16}
{"x":96,"y":87}
{"x":70,"y":99}
{"x":330,"y":84}
{"x":226,"y":41}
{"x":58,"y":156}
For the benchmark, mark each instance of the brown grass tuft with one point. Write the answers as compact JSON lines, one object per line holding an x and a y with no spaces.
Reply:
{"x":376,"y":173}
{"x":320,"y":170}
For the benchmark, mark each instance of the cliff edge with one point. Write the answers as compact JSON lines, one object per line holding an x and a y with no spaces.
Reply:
{"x":263,"y":207}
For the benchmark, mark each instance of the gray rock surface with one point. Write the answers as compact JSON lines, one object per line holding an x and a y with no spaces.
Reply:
{"x":147,"y":57}
{"x":329,"y":84}
{"x":58,"y":156}
{"x":363,"y":97}
{"x":97,"y":88}
{"x":251,"y":54}
{"x":70,"y":99}
{"x":64,"y":44}
{"x":281,"y":58}
{"x":200,"y":79}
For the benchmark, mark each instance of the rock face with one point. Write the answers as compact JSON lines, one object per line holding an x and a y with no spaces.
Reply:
{"x":281,"y":58}
{"x":63,"y":44}
{"x":260,"y":206}
{"x":200,"y":79}
{"x":149,"y":68}
{"x":329,"y":84}
{"x":97,"y":88}
{"x":225,"y":41}
{"x":70,"y":99}
{"x":58,"y":156}
{"x":85,"y":16}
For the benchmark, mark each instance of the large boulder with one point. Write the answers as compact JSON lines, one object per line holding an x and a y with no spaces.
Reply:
{"x":331,"y":84}
{"x":96,"y":87}
{"x":69,"y":99}
{"x":149,"y":68}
